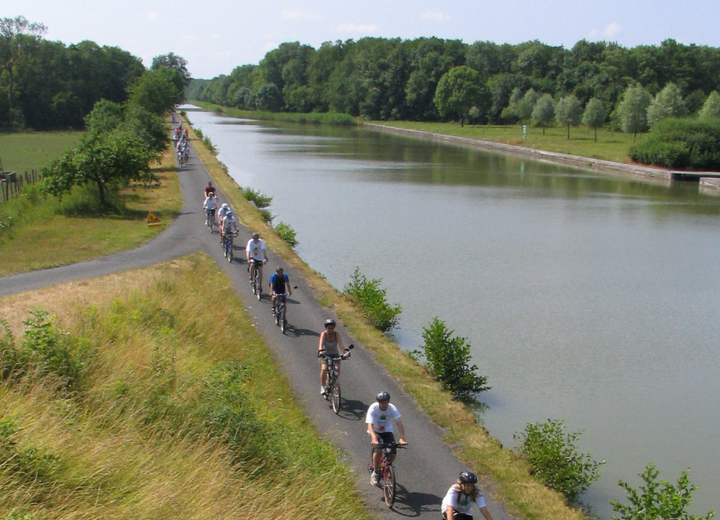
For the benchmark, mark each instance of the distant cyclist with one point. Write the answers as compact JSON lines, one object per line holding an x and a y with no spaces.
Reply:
{"x":209,"y":189}
{"x":279,"y":286}
{"x":256,"y":254}
{"x":457,"y":504}
{"x":379,"y":419}
{"x":229,"y":226}
{"x":331,"y":345}
{"x":210,"y":205}
{"x":220,"y":216}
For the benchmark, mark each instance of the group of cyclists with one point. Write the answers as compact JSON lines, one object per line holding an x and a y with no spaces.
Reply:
{"x":180,"y":141}
{"x":382,"y":417}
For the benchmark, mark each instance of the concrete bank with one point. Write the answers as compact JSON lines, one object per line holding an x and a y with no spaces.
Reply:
{"x":575,"y":161}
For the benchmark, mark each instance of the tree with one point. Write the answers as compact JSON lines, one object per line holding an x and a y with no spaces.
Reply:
{"x":109,"y":160}
{"x":568,"y":112}
{"x":16,"y":34}
{"x":526,"y":105}
{"x":544,"y":111}
{"x":656,"y":503}
{"x":175,"y":62}
{"x":711,"y":107}
{"x":594,"y":115}
{"x":460,"y":89}
{"x":668,"y":103}
{"x":448,"y":361}
{"x":633,"y":110}
{"x":269,"y":98}
{"x":157,"y":91}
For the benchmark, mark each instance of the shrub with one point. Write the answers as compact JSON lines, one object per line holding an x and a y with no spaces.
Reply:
{"x":199,"y":133}
{"x":257,"y":197}
{"x":448,"y":361}
{"x":554,"y":458}
{"x":210,"y":145}
{"x":287,"y":233}
{"x":371,"y":299}
{"x":681,"y":143}
{"x":656,"y":503}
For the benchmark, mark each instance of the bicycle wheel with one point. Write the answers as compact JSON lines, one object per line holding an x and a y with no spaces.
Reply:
{"x":336,"y":397}
{"x":230,"y":252}
{"x":259,"y":288}
{"x":278,"y":311}
{"x":389,"y":486}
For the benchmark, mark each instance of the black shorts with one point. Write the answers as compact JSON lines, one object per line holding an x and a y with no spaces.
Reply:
{"x":385,"y":438}
{"x":458,"y":516}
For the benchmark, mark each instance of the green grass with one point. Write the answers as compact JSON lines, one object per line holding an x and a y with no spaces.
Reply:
{"x":327,"y":118}
{"x":38,"y":232}
{"x":28,"y":151}
{"x":610,"y":146}
{"x":180,"y":410}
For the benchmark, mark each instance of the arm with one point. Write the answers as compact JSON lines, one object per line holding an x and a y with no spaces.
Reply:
{"x":371,"y":431}
{"x":287,"y":284}
{"x":401,"y":431}
{"x":485,"y":513}
{"x":321,"y":342}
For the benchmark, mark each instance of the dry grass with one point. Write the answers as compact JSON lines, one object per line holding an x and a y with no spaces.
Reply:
{"x":506,"y":475}
{"x":112,"y":461}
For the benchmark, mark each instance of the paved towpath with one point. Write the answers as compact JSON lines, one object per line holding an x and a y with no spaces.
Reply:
{"x":425,"y":470}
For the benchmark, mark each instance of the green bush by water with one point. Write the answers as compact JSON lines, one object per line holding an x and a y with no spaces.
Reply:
{"x":287,"y":233}
{"x":372,"y":300}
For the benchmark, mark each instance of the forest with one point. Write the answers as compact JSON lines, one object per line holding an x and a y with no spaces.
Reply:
{"x":395,"y":79}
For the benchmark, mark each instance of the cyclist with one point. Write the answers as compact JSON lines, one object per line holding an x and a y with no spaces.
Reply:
{"x":210,"y":205}
{"x":279,"y":283}
{"x":379,"y":419}
{"x":331,"y":343}
{"x":229,"y":226}
{"x":186,"y":154}
{"x":209,"y":189}
{"x":220,"y":216}
{"x":256,"y":254}
{"x":457,"y":504}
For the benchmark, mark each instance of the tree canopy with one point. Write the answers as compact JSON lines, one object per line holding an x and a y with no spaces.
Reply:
{"x":460,"y":89}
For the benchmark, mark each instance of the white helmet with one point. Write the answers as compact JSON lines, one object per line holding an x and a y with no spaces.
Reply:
{"x":225,"y":205}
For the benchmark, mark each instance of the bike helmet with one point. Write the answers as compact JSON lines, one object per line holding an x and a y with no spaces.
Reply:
{"x":279,"y":268}
{"x":225,"y":205}
{"x":383,"y":396}
{"x":329,"y":322}
{"x":229,"y":214}
{"x":468,"y":477}
{"x":256,"y":235}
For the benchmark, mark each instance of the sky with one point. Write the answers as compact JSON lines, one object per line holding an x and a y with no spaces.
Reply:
{"x":215,"y":36}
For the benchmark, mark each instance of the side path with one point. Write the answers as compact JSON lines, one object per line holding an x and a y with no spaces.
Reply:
{"x":425,"y":470}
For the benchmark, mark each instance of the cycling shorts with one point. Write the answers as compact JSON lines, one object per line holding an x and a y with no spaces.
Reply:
{"x":385,"y":438}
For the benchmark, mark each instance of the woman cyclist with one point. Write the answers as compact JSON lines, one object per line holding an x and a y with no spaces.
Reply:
{"x":331,"y":345}
{"x":457,"y":504}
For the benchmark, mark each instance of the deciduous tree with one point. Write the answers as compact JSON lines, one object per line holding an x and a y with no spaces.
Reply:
{"x":594,"y":115}
{"x":460,"y":89}
{"x":711,"y":107}
{"x":568,"y":112}
{"x":633,"y":110}
{"x":668,"y":103}
{"x":544,"y":111}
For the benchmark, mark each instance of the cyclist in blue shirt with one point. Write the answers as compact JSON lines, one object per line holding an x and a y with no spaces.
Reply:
{"x":279,"y":285}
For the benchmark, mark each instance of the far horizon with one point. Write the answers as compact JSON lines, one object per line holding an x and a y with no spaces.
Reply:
{"x":223,"y":36}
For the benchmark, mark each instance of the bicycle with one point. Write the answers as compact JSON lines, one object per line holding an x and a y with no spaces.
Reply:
{"x":280,"y":312}
{"x":254,"y":274}
{"x":210,"y":219}
{"x":228,"y":247}
{"x":388,"y":476}
{"x":333,"y":392}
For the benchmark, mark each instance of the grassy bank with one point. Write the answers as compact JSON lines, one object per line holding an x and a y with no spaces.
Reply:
{"x":176,"y":408}
{"x":501,"y":470}
{"x":38,"y":232}
{"x":329,"y":118}
{"x":610,"y":146}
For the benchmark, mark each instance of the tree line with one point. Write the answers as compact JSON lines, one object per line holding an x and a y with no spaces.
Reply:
{"x":47,"y":85}
{"x":393,"y":79}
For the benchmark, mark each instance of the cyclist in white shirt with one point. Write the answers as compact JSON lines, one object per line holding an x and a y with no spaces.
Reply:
{"x":229,"y":226}
{"x":210,"y":204}
{"x":379,"y":419}
{"x":457,"y":504}
{"x":256,"y":254}
{"x":220,"y":216}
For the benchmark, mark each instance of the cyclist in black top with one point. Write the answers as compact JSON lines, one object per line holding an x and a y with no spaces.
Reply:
{"x":279,"y":284}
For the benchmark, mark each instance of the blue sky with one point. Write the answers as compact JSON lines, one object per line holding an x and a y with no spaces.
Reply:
{"x":215,"y":36}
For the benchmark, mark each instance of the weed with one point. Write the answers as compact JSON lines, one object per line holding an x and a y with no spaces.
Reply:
{"x":287,"y":233}
{"x":372,"y":300}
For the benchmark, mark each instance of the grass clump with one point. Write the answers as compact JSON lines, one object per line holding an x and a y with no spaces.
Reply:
{"x":287,"y":233}
{"x":183,"y":413}
{"x":553,"y":455}
{"x":372,"y":301}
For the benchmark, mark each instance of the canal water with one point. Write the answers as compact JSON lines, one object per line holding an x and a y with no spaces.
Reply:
{"x":586,"y":297}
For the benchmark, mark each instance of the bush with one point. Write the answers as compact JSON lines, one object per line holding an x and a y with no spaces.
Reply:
{"x":681,"y":143}
{"x":372,"y":301}
{"x":210,"y":145}
{"x":448,"y":361}
{"x":287,"y":233}
{"x":257,"y":197}
{"x":655,"y":503}
{"x":555,"y":459}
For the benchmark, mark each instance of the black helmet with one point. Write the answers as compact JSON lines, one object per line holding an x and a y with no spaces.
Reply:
{"x":329,"y":322}
{"x":383,"y":396}
{"x":468,"y":477}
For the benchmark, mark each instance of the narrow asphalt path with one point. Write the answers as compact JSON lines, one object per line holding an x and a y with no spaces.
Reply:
{"x":425,"y":470}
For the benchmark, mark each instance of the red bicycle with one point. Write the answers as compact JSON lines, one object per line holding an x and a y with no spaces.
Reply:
{"x":388,"y":475}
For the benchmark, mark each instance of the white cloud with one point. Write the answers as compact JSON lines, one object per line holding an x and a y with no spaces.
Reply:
{"x":436,"y":16}
{"x":152,"y":16}
{"x":612,"y":30}
{"x":298,"y":14}
{"x":353,"y":28}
